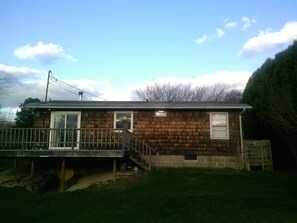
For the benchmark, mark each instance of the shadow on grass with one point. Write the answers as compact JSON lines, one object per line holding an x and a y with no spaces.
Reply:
{"x":164,"y":195}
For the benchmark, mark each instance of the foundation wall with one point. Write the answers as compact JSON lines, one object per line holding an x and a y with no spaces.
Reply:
{"x":200,"y":161}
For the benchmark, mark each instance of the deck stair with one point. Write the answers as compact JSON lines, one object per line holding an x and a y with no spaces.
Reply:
{"x":140,"y":162}
{"x":140,"y":152}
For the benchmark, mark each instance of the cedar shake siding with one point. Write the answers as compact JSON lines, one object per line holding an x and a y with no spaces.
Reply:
{"x":185,"y":132}
{"x":181,"y":132}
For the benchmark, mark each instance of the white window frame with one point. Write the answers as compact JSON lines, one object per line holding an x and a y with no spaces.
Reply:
{"x":53,"y":114}
{"x":212,"y":126}
{"x":115,"y":118}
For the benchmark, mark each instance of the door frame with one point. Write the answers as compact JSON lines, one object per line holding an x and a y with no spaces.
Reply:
{"x":55,"y":113}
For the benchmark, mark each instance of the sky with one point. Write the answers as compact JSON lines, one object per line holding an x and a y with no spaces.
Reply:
{"x":111,"y":48}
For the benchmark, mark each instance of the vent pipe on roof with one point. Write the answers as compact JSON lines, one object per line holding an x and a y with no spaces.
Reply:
{"x":80,"y":94}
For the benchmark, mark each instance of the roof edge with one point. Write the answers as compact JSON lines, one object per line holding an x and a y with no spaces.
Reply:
{"x":136,"y":105}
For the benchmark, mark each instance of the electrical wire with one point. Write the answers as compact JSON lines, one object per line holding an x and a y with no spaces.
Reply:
{"x":69,"y":85}
{"x":65,"y":89}
{"x":56,"y":85}
{"x":93,"y":95}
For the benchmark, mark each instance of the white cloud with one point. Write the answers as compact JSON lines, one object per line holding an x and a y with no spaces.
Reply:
{"x":268,"y":40}
{"x":231,"y":25}
{"x":201,"y":40}
{"x":235,"y":79}
{"x":247,"y":22}
{"x":219,"y":33}
{"x":47,"y":53}
{"x":21,"y":73}
{"x":32,"y":83}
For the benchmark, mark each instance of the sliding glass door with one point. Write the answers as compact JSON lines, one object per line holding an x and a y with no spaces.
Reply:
{"x":64,"y":130}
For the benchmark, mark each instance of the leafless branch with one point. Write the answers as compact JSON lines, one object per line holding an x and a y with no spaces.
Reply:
{"x":185,"y":92}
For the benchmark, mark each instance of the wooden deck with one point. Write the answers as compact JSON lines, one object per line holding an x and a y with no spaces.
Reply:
{"x":61,"y":153}
{"x":76,"y":143}
{"x":42,"y":142}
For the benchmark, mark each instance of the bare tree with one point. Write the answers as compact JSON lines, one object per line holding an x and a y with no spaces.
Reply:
{"x":6,"y":118}
{"x":165,"y":92}
{"x":5,"y":84}
{"x":216,"y":92}
{"x":185,"y":92}
{"x":233,"y":96}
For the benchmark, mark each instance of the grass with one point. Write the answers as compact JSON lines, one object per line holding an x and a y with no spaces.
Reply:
{"x":164,"y":195}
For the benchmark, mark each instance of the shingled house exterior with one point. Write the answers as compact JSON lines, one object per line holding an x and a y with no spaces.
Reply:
{"x":175,"y":134}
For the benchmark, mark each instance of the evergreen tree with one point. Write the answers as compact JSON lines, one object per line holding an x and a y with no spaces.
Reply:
{"x":272,"y":91}
{"x":25,"y":117}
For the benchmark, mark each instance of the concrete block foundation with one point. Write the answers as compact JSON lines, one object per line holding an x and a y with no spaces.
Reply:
{"x":233,"y":162}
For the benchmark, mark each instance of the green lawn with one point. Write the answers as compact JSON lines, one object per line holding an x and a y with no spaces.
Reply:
{"x":164,"y":195}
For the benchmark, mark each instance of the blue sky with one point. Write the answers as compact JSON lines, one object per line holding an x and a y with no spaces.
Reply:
{"x":110,"y":48}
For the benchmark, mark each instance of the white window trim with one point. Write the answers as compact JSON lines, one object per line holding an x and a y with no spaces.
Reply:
{"x":115,"y":118}
{"x":211,"y":126}
{"x":52,"y":126}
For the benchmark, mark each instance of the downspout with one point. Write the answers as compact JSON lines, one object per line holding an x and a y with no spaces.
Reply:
{"x":241,"y":137}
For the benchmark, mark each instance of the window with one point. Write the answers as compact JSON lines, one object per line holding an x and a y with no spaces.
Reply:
{"x":123,"y":120}
{"x":219,"y":128}
{"x":64,"y":133}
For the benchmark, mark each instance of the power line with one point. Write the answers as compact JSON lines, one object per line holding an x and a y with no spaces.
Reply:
{"x":56,"y":85}
{"x":73,"y":92}
{"x":69,"y":85}
{"x":78,"y":89}
{"x":65,"y":89}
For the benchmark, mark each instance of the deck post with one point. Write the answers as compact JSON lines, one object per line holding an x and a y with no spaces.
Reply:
{"x":14,"y":163}
{"x":62,"y":176}
{"x":150,"y":159}
{"x":32,"y":175}
{"x":262,"y":156}
{"x":72,"y":141}
{"x":114,"y":169}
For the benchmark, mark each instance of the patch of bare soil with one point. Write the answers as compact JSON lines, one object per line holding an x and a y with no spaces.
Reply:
{"x":96,"y":180}
{"x":92,"y":180}
{"x":18,"y":178}
{"x":13,"y":178}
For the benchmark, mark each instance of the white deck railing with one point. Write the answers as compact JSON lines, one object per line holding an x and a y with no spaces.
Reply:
{"x":48,"y":138}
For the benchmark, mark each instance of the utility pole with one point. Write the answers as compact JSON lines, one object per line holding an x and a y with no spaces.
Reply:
{"x":46,"y":91}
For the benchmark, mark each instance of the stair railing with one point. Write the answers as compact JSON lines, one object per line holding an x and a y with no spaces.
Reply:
{"x":139,"y":148}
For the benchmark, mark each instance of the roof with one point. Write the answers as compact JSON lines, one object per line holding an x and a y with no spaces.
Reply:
{"x":137,"y":105}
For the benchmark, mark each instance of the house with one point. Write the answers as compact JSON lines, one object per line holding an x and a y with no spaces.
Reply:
{"x":177,"y":134}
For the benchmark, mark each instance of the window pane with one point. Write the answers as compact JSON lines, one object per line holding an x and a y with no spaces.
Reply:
{"x":59,"y":121}
{"x":219,"y":132}
{"x":219,"y":119}
{"x":72,"y":121}
{"x":123,"y":120}
{"x":219,"y":126}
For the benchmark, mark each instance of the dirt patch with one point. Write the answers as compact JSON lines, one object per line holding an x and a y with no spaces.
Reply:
{"x":13,"y":178}
{"x":92,"y":180}
{"x":96,"y":180}
{"x":17,"y":178}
